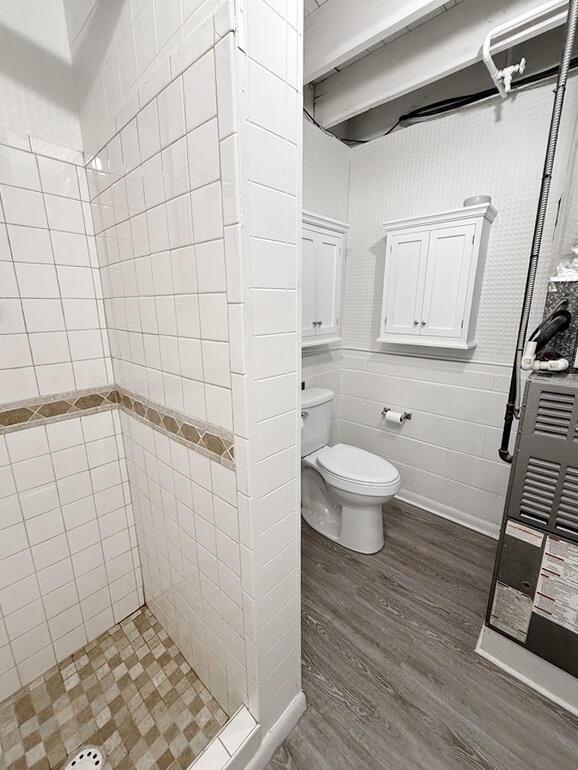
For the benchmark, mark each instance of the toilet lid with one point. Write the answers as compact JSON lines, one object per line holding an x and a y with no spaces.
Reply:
{"x":356,"y":464}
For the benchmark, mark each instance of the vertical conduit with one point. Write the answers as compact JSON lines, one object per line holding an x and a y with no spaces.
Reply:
{"x":512,"y":406}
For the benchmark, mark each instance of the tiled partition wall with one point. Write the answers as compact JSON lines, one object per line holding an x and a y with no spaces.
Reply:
{"x":266,"y":399}
{"x":195,"y":184}
{"x":68,"y":564}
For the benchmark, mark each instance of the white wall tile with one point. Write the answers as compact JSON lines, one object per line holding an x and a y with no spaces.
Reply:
{"x":23,"y":207}
{"x":58,"y":178}
{"x":171,"y":112}
{"x":200,"y":91}
{"x":30,"y":244}
{"x":207,"y":212}
{"x":18,"y":168}
{"x":203,"y":154}
{"x":64,"y":214}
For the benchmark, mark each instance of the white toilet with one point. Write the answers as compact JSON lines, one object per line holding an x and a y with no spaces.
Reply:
{"x":343,"y":488}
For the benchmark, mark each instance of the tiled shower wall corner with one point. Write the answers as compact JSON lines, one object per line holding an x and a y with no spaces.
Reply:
{"x":69,"y":563}
{"x":165,"y":232}
{"x":52,"y":329}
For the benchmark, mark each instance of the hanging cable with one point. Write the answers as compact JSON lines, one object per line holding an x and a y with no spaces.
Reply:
{"x":443,"y":106}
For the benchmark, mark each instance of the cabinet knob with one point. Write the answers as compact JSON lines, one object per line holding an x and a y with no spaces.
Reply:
{"x":415,"y":323}
{"x":423,"y":323}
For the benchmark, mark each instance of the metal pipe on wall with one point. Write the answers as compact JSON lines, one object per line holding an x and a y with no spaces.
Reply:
{"x":512,"y":406}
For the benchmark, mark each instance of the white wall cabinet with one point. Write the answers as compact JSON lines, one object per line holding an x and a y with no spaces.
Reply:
{"x":323,"y":253}
{"x":432,"y":279}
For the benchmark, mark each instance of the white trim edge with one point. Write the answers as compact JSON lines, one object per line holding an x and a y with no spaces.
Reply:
{"x":547,"y":679}
{"x":452,"y":514}
{"x":477,"y":211}
{"x":319,"y":220}
{"x":274,"y":737}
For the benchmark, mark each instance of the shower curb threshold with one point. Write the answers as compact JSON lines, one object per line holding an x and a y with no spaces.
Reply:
{"x":242,"y":743}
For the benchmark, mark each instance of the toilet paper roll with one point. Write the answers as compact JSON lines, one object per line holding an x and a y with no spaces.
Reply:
{"x":395,"y":417}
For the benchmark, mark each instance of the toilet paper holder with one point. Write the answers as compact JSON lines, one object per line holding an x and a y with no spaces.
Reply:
{"x":404,"y":415}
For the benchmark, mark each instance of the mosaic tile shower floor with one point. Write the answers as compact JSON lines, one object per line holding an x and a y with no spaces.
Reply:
{"x":130,"y":693}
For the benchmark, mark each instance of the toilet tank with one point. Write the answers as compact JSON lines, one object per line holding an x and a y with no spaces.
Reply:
{"x":316,"y":406}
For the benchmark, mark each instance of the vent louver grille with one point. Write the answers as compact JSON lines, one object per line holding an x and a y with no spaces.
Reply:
{"x":567,"y":515}
{"x":539,"y":490}
{"x":554,"y":413}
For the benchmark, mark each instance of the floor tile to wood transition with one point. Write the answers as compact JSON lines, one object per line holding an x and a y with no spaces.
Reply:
{"x":129,"y":693}
{"x":389,"y":668}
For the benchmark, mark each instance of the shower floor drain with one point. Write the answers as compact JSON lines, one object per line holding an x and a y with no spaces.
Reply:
{"x":86,"y":758}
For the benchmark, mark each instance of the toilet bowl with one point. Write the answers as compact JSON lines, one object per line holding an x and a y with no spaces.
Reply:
{"x":343,"y":488}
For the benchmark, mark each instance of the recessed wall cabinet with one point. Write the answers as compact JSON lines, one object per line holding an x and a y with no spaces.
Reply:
{"x":433,"y":276}
{"x":323,"y":254}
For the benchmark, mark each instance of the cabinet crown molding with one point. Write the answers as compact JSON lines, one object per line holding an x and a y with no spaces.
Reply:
{"x":479,"y":211}
{"x":319,"y":220}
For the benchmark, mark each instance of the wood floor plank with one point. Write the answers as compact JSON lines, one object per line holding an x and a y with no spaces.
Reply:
{"x":389,"y":668}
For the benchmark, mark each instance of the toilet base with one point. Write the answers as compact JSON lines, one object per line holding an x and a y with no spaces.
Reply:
{"x":361,"y":530}
{"x":358,"y":528}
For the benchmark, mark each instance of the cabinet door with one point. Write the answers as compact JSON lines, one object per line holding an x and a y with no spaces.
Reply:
{"x":404,"y":281}
{"x":308,"y":282}
{"x":446,"y":281}
{"x":328,"y":283}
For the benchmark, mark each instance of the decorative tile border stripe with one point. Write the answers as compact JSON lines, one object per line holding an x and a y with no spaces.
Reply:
{"x":209,"y":440}
{"x":24,"y":414}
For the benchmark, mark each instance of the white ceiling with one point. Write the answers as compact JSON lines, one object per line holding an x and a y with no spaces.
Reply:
{"x":312,"y":6}
{"x":361,"y":54}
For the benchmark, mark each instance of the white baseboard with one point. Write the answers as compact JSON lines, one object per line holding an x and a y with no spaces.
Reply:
{"x":274,"y":737}
{"x":547,"y":679}
{"x":452,"y":514}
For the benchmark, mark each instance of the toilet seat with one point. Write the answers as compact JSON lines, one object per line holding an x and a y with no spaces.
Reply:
{"x":354,"y":470}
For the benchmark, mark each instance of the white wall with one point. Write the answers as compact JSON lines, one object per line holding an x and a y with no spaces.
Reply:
{"x":326,"y":167}
{"x":496,"y":148}
{"x":37,"y":94}
{"x":326,"y":170}
{"x":447,"y":454}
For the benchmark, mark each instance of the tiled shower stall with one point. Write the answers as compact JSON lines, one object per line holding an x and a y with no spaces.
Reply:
{"x":149,"y":361}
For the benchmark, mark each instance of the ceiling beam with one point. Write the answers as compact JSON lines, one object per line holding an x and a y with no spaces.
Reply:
{"x":341,"y":29}
{"x":446,"y":44}
{"x":374,"y":123}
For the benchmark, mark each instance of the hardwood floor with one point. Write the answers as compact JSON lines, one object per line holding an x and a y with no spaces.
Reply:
{"x":389,"y":668}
